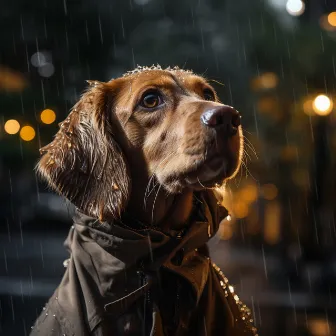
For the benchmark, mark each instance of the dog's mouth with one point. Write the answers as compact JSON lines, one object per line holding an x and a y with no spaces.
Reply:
{"x":208,"y":173}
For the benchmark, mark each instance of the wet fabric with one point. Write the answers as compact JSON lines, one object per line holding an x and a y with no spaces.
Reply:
{"x":125,"y":281}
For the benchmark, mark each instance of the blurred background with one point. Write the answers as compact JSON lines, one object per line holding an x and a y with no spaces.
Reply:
{"x":274,"y":60}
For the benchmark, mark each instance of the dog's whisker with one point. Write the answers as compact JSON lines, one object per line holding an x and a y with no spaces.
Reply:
{"x":147,"y":193}
{"x":157,"y":193}
{"x":246,"y":155}
{"x":146,"y":197}
{"x":148,"y":187}
{"x":201,"y":183}
{"x":249,"y":144}
{"x":237,"y":183}
{"x":254,"y":153}
{"x":248,"y":171}
{"x":245,"y":131}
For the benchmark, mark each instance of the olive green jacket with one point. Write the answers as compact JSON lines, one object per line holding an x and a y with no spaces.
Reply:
{"x":125,"y":281}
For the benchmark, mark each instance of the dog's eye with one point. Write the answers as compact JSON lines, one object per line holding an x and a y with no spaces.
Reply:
{"x":208,"y":94}
{"x":151,"y":99}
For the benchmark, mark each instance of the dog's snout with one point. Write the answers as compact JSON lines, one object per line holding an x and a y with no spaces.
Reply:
{"x":224,"y":117}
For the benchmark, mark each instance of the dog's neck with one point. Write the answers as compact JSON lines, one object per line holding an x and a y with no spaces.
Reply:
{"x":168,"y":211}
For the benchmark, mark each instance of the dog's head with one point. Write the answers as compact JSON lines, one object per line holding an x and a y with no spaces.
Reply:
{"x":167,"y":124}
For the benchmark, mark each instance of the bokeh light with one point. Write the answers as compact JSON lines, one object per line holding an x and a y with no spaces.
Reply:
{"x":270,"y":191}
{"x":308,"y":107}
{"x":240,"y":209}
{"x":325,"y":24}
{"x":12,"y":126}
{"x":267,"y":80}
{"x":46,"y":70}
{"x":249,"y":193}
{"x":27,"y":133}
{"x":11,"y":80}
{"x":48,"y":116}
{"x":295,"y":7}
{"x":272,"y":227}
{"x":332,"y":19}
{"x":322,"y":105}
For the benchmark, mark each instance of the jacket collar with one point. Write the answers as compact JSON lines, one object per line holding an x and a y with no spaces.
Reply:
{"x":107,"y":253}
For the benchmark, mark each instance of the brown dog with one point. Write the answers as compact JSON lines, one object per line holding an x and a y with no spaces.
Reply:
{"x":140,"y":157}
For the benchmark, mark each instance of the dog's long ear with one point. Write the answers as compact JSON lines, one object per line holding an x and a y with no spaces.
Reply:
{"x":85,"y":162}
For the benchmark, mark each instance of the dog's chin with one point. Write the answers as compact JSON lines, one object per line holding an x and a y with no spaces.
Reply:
{"x":207,"y":175}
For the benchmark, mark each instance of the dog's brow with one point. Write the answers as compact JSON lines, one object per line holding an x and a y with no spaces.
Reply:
{"x":175,"y":79}
{"x":166,"y":81}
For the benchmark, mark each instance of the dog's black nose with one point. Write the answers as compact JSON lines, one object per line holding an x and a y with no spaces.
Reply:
{"x":224,"y":117}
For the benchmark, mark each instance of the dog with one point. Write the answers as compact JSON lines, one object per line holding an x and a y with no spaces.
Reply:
{"x":142,"y":157}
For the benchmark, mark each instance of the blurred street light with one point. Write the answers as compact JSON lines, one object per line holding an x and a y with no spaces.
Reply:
{"x":267,"y":80}
{"x":240,"y":209}
{"x":270,"y":191}
{"x":12,"y":126}
{"x":27,"y":133}
{"x":326,"y":25}
{"x":250,"y":193}
{"x":48,"y":116}
{"x":11,"y":80}
{"x":295,"y":7}
{"x":46,"y":70}
{"x":308,"y":107}
{"x":322,"y":105}
{"x":272,"y":223}
{"x":332,"y":19}
{"x":40,"y":59}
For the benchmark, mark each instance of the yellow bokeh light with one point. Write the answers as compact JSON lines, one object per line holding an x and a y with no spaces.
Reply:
{"x":272,"y":225}
{"x":322,"y":105}
{"x":48,"y":116}
{"x":267,"y":80}
{"x":325,"y":24}
{"x":240,"y":209}
{"x":270,"y":191}
{"x":319,"y":327}
{"x":12,"y":126}
{"x":249,"y":193}
{"x":332,"y":19}
{"x":308,"y":107}
{"x":27,"y":133}
{"x":10,"y":80}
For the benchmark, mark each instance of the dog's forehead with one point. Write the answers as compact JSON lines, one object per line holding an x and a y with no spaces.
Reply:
{"x":164,"y":76}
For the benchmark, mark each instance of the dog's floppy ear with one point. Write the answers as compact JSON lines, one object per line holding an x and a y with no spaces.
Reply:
{"x":84,"y":162}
